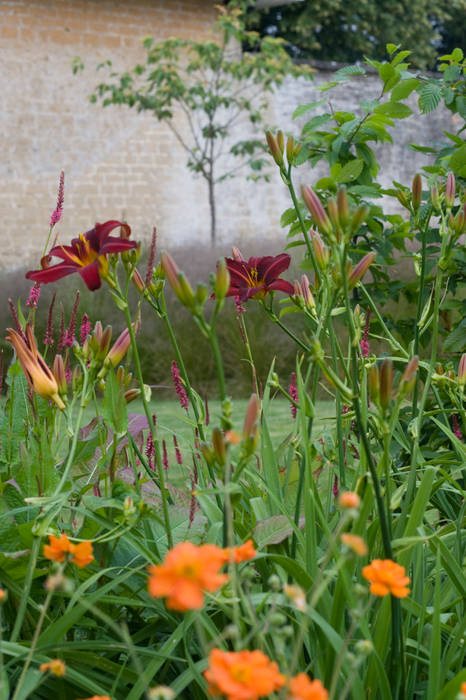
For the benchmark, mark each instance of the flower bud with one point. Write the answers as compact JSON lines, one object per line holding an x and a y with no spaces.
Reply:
{"x":281,"y":141}
{"x":321,"y":252}
{"x":462,"y":370}
{"x":333,"y":212}
{"x":358,"y":272}
{"x":60,"y":375}
{"x":402,"y":198}
{"x":222,"y":280}
{"x":237,"y":254}
{"x":274,"y":149}
{"x":178,"y":281}
{"x":373,"y":382}
{"x":434,"y":196}
{"x":202,"y":293}
{"x":118,"y":350}
{"x":359,"y":216}
{"x":307,"y":294}
{"x":450,"y":189}
{"x":355,"y":543}
{"x":386,"y":382}
{"x":416,"y":192}
{"x":131,"y":394}
{"x":138,"y":281}
{"x":316,"y":209}
{"x":3,"y":596}
{"x":218,"y":445}
{"x":252,"y":413}
{"x":409,"y":376}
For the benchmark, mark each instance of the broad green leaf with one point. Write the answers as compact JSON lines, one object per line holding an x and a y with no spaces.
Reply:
{"x":308,"y":107}
{"x":397,"y":110}
{"x":404,"y":89}
{"x":429,"y":97}
{"x":350,"y":171}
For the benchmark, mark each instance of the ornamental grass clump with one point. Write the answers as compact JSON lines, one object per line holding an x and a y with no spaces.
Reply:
{"x":230,"y":548}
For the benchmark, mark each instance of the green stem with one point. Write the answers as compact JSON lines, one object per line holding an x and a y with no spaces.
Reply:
{"x":310,"y":247}
{"x":27,"y":587}
{"x":420,"y":300}
{"x":218,"y":362}
{"x":341,"y":452}
{"x":158,"y":460}
{"x":273,"y":317}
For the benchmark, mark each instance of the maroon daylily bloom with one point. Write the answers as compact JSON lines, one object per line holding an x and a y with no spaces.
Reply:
{"x":86,"y":255}
{"x":254,"y":278}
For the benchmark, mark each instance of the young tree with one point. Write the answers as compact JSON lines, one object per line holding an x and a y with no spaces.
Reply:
{"x":202,"y":89}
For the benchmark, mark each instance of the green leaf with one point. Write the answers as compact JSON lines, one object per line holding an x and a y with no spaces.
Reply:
{"x":456,"y":340}
{"x":315,"y":123}
{"x":273,"y":530}
{"x":350,"y":171}
{"x":458,"y":162}
{"x":429,"y":97}
{"x":404,"y":89}
{"x":391,"y":48}
{"x":288,"y":217}
{"x":308,"y":107}
{"x":113,"y":405}
{"x":397,"y":110}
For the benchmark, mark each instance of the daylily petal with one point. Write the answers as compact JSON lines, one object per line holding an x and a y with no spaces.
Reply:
{"x":281,"y":286}
{"x":51,"y":274}
{"x":279,"y":265}
{"x":90,"y":275}
{"x":116,"y":245}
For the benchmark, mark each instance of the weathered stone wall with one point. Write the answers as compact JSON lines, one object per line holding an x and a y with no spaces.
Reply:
{"x":120,"y":164}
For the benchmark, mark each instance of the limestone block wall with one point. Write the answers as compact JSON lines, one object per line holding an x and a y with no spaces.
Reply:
{"x":121,"y":164}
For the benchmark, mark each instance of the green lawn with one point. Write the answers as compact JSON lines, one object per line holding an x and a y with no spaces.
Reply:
{"x":171,"y":418}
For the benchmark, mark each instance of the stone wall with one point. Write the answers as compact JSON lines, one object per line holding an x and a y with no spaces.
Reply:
{"x":121,"y":164}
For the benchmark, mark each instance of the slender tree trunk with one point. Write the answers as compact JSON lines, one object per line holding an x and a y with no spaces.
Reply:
{"x":213,"y":221}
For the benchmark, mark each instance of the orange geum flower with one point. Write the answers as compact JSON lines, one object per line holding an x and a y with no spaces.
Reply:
{"x":355,"y":543}
{"x":244,"y":552}
{"x":55,"y":666}
{"x":302,"y":688}
{"x":98,"y":697}
{"x":386,"y":577}
{"x":242,"y":675}
{"x":186,"y":573}
{"x":349,"y":499}
{"x":60,"y":548}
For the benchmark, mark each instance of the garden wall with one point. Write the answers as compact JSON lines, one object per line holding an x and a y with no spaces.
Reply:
{"x":120,"y":164}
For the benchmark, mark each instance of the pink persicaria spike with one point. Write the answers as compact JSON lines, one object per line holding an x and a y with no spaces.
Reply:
{"x":150,"y":451}
{"x":179,"y":386}
{"x":293,"y":391}
{"x":58,"y":211}
{"x":84,"y":329}
{"x":151,"y":260}
{"x":16,"y":322}
{"x":164,"y":455}
{"x":192,"y":504}
{"x":456,"y":427}
{"x":68,"y":339}
{"x":239,"y":307}
{"x":364,"y":345}
{"x":34,"y":295}
{"x":48,"y":338}
{"x":61,"y":333}
{"x":178,"y":455}
{"x":335,"y":489}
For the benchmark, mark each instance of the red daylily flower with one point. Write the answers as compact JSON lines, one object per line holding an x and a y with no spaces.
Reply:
{"x":86,"y":255}
{"x":254,"y":278}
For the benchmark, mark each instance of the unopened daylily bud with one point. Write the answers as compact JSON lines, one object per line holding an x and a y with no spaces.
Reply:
{"x":307,"y":294}
{"x":274,"y":148}
{"x":408,"y":378}
{"x":252,"y":414}
{"x":222,"y":280}
{"x":359,"y":216}
{"x":333,"y":212}
{"x":76,"y":379}
{"x":218,"y":444}
{"x":290,"y":149}
{"x":316,"y":209}
{"x":373,"y":382}
{"x":434,"y":196}
{"x":237,"y":254}
{"x":462,"y":370}
{"x":118,"y":350}
{"x":343,"y":207}
{"x":386,"y":382}
{"x":202,"y":293}
{"x":172,"y":272}
{"x":207,"y":454}
{"x":281,"y":141}
{"x":138,"y":281}
{"x":450,"y":189}
{"x":298,"y":290}
{"x":60,"y":375}
{"x":321,"y":252}
{"x":402,"y":198}
{"x":358,"y":272}
{"x":458,"y":222}
{"x":416,"y":192}
{"x":185,"y":292}
{"x":131,"y":394}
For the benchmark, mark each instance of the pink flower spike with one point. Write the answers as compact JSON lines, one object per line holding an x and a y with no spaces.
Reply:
{"x":85,"y":328}
{"x":178,"y":455}
{"x":57,"y":212}
{"x":164,"y":455}
{"x":34,"y":295}
{"x":48,"y":339}
{"x":456,"y":427}
{"x":293,"y":391}
{"x":179,"y":386}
